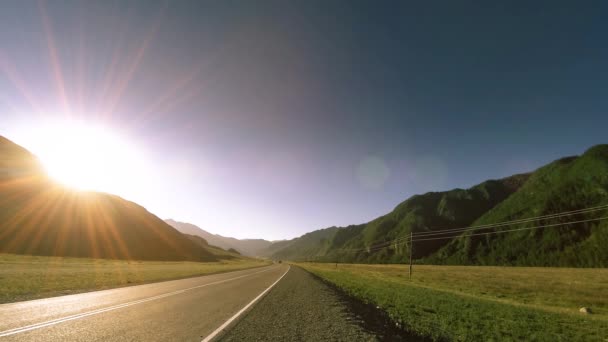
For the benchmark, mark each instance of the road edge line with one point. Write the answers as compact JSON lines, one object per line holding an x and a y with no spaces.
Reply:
{"x":59,"y":320}
{"x":211,"y":336}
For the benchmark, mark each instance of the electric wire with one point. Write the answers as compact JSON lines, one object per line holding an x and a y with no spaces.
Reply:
{"x":458,"y":231}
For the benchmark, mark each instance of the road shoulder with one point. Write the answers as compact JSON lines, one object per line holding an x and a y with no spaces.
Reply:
{"x":299,"y":308}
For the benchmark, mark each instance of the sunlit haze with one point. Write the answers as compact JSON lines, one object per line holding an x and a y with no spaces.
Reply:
{"x":87,"y":157}
{"x":275,"y":118}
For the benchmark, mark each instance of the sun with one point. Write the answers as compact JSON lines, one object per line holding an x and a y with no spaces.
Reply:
{"x":86,"y":156}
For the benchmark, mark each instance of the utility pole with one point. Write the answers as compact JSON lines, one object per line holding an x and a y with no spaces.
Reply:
{"x":411,"y":248}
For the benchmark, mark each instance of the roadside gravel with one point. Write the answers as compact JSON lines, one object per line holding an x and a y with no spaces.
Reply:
{"x":299,"y":308}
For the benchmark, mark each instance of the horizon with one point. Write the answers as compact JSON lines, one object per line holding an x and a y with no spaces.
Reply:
{"x":344,"y":226}
{"x":387,"y":211}
{"x":275,"y":119}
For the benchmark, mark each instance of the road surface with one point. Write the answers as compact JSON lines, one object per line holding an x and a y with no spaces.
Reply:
{"x":180,"y":310}
{"x":300,"y":309}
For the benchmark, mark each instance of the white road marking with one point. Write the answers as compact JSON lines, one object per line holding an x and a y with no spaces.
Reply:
{"x":115,"y":307}
{"x":223,"y":326}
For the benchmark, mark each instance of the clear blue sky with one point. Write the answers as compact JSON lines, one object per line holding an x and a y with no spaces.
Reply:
{"x":274,"y":118}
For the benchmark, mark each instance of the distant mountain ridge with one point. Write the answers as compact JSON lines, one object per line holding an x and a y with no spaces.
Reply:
{"x":248,"y":247}
{"x":566,"y":184}
{"x":15,"y":161}
{"x":40,"y":217}
{"x":447,"y":209}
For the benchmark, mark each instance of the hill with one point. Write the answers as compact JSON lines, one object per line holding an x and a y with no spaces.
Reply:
{"x":567,"y":184}
{"x":306,"y":246}
{"x":419,"y":213}
{"x":248,"y":247}
{"x":40,"y":217}
{"x":217,"y":251}
{"x":15,"y":161}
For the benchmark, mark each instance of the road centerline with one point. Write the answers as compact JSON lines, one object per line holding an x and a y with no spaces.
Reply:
{"x":240,"y":312}
{"x":35,"y":326}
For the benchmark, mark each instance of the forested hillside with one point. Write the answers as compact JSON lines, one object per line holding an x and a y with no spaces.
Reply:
{"x":567,"y":184}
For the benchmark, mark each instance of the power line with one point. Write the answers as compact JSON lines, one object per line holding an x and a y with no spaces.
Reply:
{"x":508,"y":223}
{"x":377,"y":246}
{"x":495,"y":232}
{"x":404,"y":240}
{"x":458,"y":231}
{"x":517,"y":229}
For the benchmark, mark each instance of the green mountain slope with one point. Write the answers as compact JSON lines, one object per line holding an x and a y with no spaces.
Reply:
{"x":306,"y":247}
{"x":39,"y":217}
{"x":419,"y":213}
{"x":567,"y":184}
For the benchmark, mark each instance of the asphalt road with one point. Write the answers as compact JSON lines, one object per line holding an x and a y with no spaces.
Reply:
{"x":180,"y":310}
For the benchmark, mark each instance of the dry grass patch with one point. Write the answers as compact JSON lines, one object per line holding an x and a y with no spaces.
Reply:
{"x":25,"y":277}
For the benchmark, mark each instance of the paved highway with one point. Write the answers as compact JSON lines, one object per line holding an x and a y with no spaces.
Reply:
{"x":181,"y":310}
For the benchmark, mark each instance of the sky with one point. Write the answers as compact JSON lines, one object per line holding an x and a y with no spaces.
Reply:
{"x":270,"y":119}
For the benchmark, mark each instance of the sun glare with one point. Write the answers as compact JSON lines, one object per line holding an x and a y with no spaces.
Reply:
{"x":86,"y":157}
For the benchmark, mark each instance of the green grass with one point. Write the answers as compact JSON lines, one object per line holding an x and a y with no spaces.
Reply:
{"x":482,"y":303}
{"x":25,"y":277}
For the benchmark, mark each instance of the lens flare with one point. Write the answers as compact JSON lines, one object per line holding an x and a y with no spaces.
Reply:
{"x":85,"y":156}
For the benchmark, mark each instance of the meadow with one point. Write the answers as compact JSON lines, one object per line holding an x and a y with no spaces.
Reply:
{"x":24,"y":277}
{"x":476,"y":303}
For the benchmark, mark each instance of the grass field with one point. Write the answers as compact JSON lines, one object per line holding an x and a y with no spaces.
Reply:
{"x":30,"y":277}
{"x":482,"y":303}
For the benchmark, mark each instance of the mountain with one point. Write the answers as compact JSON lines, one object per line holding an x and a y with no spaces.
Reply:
{"x":40,"y":217}
{"x":567,"y":184}
{"x":306,"y":246}
{"x":15,"y":161}
{"x":218,"y":252}
{"x":419,"y":213}
{"x":248,"y":247}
